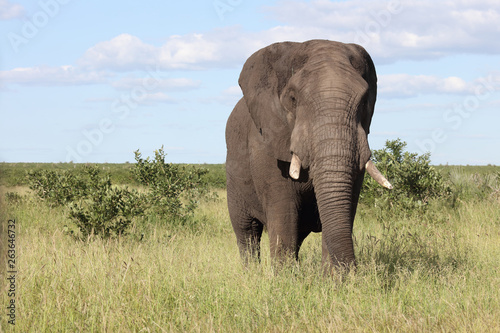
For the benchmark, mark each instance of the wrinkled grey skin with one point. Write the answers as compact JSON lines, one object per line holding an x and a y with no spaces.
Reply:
{"x":316,"y":100}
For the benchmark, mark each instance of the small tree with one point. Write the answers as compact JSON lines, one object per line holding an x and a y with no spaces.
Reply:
{"x":105,"y":210}
{"x":173,"y":190}
{"x":57,"y":188}
{"x":99,"y":208}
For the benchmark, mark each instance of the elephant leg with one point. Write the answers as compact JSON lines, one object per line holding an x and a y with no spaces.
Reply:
{"x":247,"y":228}
{"x":300,"y":240}
{"x":248,"y":232}
{"x":284,"y":239}
{"x":250,"y":245}
{"x":285,"y":247}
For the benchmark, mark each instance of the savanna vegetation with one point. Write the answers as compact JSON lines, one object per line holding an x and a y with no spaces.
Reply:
{"x":148,"y":246}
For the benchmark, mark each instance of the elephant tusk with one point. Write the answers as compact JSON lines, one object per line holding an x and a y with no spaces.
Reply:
{"x":295,"y":167}
{"x":375,"y":173}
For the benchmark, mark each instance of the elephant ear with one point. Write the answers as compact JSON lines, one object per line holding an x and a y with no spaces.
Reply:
{"x":363,"y":63}
{"x":262,"y":80}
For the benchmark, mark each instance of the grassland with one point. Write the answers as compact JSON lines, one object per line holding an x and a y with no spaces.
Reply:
{"x":14,"y":174}
{"x":434,"y":272}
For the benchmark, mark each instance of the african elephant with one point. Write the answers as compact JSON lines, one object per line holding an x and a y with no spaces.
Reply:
{"x":297,"y":147}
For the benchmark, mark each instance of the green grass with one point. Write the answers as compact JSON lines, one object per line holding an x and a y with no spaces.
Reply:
{"x":471,"y":169}
{"x":14,"y":174}
{"x":436,"y":272}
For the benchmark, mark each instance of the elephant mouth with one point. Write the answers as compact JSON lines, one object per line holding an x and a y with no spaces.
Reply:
{"x":370,"y":167}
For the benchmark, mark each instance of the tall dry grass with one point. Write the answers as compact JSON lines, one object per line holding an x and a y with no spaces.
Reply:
{"x":439,"y":272}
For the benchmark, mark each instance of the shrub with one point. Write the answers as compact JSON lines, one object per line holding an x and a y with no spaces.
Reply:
{"x":57,"y":188}
{"x":104,"y":210}
{"x":415,"y":181}
{"x":173,"y":190}
{"x":172,"y":193}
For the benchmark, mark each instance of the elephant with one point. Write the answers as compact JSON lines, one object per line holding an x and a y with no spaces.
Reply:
{"x":297,"y":148}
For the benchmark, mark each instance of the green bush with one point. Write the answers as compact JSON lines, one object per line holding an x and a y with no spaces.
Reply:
{"x":173,"y":190}
{"x":57,"y":188}
{"x":104,"y":210}
{"x":414,"y":180}
{"x":172,"y":193}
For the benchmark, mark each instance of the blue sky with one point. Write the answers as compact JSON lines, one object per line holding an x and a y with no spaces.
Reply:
{"x":89,"y":81}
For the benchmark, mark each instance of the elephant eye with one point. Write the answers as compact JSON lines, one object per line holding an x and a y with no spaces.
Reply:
{"x":289,"y":100}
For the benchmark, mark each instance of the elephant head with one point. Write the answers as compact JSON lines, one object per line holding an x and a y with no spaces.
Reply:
{"x":313,"y":103}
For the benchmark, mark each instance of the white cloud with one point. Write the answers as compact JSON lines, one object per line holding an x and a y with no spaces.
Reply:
{"x":220,"y":48}
{"x":10,"y":11}
{"x":157,"y":83}
{"x":228,"y":97}
{"x":145,"y":99}
{"x":390,"y":30}
{"x":122,"y":52}
{"x":49,"y":76}
{"x":70,"y":75}
{"x":234,"y":91}
{"x":405,"y":85}
{"x":397,"y":29}
{"x":155,"y":98}
{"x":188,"y":51}
{"x":192,"y":52}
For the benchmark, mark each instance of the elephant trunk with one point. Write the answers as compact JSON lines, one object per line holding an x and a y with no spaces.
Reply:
{"x":338,"y":153}
{"x":336,"y":150}
{"x":334,"y":197}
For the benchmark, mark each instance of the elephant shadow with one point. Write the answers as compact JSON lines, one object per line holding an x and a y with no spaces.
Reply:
{"x":284,"y":167}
